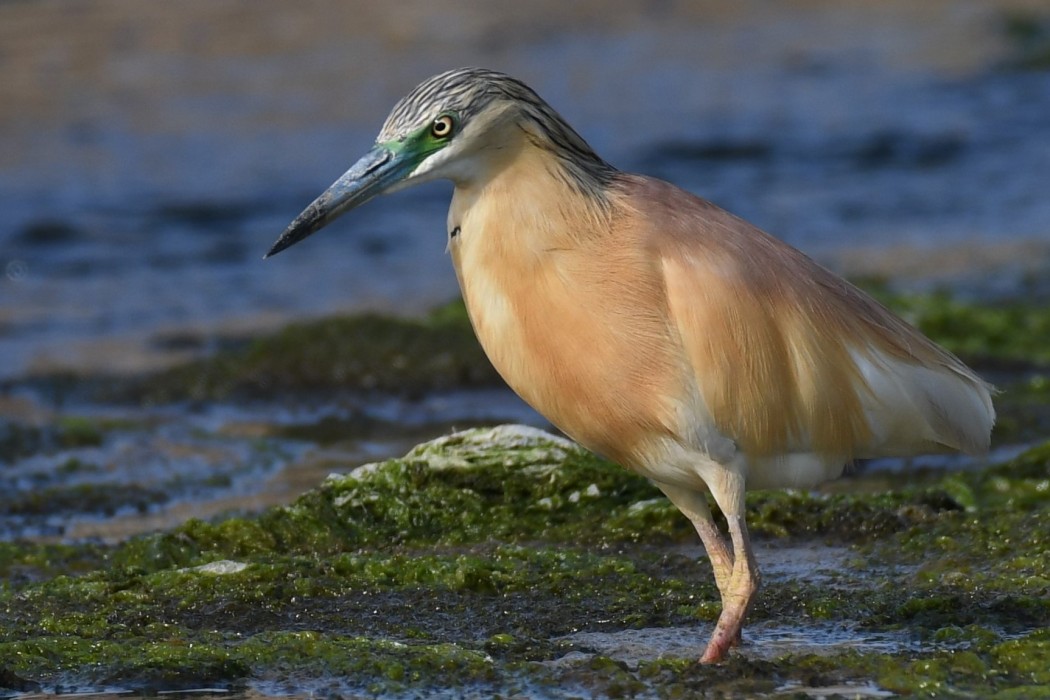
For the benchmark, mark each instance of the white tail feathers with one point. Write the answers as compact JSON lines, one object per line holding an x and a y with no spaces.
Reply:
{"x":917,"y":408}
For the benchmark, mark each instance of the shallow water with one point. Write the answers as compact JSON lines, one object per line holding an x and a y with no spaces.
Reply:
{"x":153,"y":468}
{"x":766,"y":641}
{"x":149,"y":154}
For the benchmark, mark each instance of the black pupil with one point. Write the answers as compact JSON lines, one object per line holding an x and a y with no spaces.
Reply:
{"x":441,"y":127}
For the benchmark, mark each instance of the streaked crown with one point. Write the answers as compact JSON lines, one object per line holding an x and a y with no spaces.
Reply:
{"x":469,"y":92}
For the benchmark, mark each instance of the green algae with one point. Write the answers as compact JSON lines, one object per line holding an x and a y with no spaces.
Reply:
{"x":168,"y":663}
{"x":1029,"y":36}
{"x":77,"y":431}
{"x":18,"y":440}
{"x":985,"y":334}
{"x":23,"y":562}
{"x":473,"y":561}
{"x":361,"y":352}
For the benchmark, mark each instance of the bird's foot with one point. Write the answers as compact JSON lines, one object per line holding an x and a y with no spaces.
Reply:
{"x":714,"y":653}
{"x":727,"y":632}
{"x":737,"y":595}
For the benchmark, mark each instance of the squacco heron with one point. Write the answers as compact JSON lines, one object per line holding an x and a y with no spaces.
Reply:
{"x":653,"y":327}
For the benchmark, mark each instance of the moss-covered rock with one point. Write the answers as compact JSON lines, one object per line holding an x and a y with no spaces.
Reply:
{"x":490,"y":561}
{"x":361,"y":352}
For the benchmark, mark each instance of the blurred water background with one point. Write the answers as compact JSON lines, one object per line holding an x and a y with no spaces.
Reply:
{"x":151,"y":152}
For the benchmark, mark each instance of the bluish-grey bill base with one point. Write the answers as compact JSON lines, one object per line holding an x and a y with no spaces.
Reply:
{"x":655,"y":328}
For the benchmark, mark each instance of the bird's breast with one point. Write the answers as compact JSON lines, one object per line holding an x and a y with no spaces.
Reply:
{"x":580,"y":334}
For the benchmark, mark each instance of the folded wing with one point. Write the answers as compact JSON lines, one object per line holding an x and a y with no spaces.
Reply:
{"x":789,"y":357}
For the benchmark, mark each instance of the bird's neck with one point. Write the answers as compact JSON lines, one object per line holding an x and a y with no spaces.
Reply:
{"x":530,"y":200}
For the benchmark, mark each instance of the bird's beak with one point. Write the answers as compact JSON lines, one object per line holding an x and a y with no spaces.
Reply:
{"x":377,"y":171}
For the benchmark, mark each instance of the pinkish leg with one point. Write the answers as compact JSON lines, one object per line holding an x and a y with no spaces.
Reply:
{"x":743,"y":580}
{"x":717,"y":551}
{"x":693,"y":505}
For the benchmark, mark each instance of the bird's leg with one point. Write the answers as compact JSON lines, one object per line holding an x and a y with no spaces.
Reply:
{"x":693,"y":505}
{"x":743,"y":579}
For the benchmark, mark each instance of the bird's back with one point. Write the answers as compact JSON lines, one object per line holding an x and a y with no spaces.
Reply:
{"x":789,"y":357}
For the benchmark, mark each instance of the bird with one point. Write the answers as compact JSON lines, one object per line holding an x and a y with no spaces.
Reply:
{"x":655,"y":328}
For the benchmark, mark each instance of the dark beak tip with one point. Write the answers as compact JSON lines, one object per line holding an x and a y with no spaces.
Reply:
{"x":295,"y":232}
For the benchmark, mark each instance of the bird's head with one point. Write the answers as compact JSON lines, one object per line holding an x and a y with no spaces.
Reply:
{"x":455,"y":126}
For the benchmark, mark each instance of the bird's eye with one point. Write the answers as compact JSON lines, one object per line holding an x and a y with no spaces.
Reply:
{"x":442,"y":127}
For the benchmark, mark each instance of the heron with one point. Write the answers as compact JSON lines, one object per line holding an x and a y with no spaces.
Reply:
{"x":655,"y":328}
